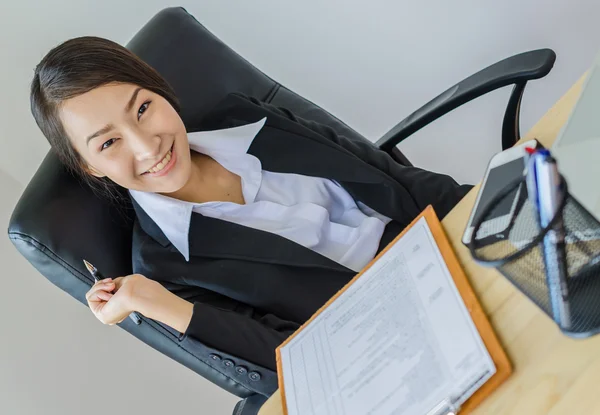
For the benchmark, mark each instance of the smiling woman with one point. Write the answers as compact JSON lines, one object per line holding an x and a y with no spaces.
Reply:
{"x":101,"y":98}
{"x":257,"y":218}
{"x":139,"y":129}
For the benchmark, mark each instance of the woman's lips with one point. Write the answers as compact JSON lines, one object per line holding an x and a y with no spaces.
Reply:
{"x":166,"y":168}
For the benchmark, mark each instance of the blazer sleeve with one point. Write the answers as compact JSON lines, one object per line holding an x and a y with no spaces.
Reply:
{"x":426,"y":187}
{"x":218,"y":321}
{"x":240,"y":331}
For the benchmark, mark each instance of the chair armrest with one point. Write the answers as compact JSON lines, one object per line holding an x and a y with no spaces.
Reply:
{"x":515,"y":70}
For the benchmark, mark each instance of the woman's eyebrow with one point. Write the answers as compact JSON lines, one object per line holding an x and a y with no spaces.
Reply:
{"x":101,"y":131}
{"x":109,"y":127}
{"x":132,"y":99}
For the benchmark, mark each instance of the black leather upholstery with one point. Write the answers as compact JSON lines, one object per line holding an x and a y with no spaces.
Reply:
{"x":203,"y":70}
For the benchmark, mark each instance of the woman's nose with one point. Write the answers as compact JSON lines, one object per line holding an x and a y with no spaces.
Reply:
{"x":144,"y":146}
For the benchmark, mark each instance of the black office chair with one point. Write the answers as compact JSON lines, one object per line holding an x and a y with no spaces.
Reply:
{"x":58,"y":221}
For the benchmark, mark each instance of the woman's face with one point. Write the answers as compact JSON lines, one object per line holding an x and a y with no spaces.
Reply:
{"x":131,"y":135}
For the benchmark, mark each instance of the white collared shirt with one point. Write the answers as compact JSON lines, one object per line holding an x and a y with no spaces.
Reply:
{"x":314,"y":212}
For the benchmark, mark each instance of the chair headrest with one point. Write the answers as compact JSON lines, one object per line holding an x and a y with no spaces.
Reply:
{"x":199,"y":67}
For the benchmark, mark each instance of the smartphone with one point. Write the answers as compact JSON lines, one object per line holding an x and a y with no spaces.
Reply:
{"x":503,"y":168}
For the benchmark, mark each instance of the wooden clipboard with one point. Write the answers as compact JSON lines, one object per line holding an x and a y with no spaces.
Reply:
{"x":503,"y":366}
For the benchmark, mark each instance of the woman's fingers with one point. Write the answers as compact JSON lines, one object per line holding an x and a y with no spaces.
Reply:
{"x":99,"y":296}
{"x":100,"y":286}
{"x":107,"y":286}
{"x":103,"y":295}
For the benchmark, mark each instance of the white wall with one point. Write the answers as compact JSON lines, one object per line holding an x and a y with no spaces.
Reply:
{"x":370,"y":63}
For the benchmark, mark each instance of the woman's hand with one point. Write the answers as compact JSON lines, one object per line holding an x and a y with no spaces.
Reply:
{"x":112,"y":300}
{"x":138,"y":293}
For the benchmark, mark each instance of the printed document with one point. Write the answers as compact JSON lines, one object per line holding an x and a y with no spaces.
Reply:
{"x":399,"y":340}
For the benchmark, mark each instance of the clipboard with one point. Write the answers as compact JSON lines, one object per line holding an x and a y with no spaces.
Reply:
{"x":486,"y":332}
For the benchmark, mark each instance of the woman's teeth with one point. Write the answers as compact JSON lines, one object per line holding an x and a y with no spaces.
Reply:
{"x":161,"y":165}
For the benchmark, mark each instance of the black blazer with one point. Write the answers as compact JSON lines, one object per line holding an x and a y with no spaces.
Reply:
{"x":251,"y":289}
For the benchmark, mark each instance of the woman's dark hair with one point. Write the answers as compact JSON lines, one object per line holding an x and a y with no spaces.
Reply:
{"x":78,"y":66}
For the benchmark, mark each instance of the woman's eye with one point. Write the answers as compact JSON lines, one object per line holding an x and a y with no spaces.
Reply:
{"x":107,"y":144}
{"x":143,"y":108}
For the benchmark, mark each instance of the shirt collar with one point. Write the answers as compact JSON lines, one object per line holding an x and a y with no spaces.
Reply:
{"x":173,"y":216}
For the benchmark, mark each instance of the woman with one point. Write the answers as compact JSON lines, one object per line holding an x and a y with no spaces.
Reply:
{"x":246,"y":225}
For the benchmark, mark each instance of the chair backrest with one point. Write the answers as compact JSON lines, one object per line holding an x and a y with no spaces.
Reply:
{"x":203,"y":70}
{"x":59,"y":221}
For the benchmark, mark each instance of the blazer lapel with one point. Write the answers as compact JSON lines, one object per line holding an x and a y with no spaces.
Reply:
{"x":285,"y":146}
{"x":216,"y":238}
{"x":148,"y":225}
{"x":283,"y":151}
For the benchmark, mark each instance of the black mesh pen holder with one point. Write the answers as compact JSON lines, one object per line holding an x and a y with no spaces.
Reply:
{"x":514,"y":244}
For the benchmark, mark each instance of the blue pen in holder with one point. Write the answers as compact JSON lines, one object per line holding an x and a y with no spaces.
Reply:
{"x":518,"y":252}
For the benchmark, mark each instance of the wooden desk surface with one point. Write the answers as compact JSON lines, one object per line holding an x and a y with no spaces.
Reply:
{"x":552,"y":373}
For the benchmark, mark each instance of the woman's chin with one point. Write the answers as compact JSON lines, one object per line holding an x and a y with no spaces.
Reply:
{"x":176,"y":181}
{"x":166,"y":188}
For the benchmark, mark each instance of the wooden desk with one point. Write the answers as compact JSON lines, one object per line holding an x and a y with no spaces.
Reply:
{"x":553,"y":374}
